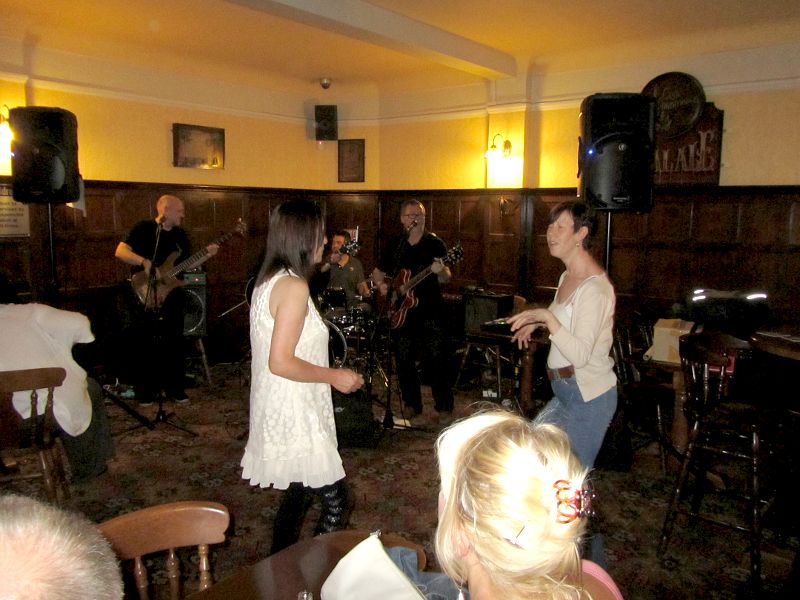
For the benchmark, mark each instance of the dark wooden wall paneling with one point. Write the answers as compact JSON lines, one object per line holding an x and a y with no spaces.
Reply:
{"x":723,"y":238}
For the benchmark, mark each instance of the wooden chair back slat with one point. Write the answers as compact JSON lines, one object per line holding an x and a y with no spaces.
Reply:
{"x":166,"y":527}
{"x":42,"y":430}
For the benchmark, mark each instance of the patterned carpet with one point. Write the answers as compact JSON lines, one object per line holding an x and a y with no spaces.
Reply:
{"x":396,"y":489}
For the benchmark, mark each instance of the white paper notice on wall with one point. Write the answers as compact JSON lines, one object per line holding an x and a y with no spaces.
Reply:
{"x":666,"y":336}
{"x":14,"y":218}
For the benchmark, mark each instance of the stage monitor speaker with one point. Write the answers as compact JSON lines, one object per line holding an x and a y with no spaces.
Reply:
{"x":479,"y":308}
{"x":44,"y":159}
{"x":325,"y":122}
{"x":616,"y":152}
{"x":195,"y":305}
{"x":356,"y":427}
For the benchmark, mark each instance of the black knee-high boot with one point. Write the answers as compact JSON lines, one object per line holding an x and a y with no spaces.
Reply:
{"x":336,"y":507}
{"x":289,"y":520}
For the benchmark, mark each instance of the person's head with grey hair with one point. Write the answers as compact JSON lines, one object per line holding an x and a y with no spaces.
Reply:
{"x":47,"y":553}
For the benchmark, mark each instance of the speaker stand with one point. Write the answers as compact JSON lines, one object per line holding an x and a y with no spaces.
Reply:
{"x":607,"y":258}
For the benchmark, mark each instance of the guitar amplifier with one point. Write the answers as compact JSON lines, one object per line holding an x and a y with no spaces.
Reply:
{"x":195,"y":306}
{"x":483,"y":307}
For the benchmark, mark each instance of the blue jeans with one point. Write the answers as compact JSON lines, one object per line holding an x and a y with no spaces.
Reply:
{"x":433,"y":585}
{"x":584,"y":422}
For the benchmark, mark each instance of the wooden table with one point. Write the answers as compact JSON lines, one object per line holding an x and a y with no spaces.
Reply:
{"x":307,"y":564}
{"x":785,"y":345}
{"x":302,"y":566}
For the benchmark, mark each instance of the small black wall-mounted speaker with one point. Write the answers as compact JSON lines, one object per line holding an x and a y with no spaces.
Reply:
{"x":326,"y":122}
{"x":44,"y":160}
{"x":195,"y":304}
{"x":616,"y":152}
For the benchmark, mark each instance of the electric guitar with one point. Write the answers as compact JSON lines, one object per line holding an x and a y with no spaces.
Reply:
{"x":166,"y":275}
{"x":403,"y":297}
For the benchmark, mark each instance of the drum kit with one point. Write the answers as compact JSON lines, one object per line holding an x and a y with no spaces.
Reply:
{"x":351,"y":325}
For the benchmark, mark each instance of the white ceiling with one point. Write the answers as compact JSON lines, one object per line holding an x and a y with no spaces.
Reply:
{"x":389,"y":45}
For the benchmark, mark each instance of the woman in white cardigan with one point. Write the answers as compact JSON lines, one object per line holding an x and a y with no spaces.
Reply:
{"x":580,"y":321}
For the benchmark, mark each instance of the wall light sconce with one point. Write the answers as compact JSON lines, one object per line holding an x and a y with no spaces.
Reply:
{"x":5,"y":127}
{"x":6,"y":135}
{"x":495,"y":152}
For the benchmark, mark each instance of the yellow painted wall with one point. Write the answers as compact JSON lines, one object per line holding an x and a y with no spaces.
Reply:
{"x":551,"y":159}
{"x":433,"y":154}
{"x":761,"y":137}
{"x":123,"y":140}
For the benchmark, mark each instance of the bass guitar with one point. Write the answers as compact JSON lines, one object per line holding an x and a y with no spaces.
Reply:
{"x":403,"y":298}
{"x":166,"y":275}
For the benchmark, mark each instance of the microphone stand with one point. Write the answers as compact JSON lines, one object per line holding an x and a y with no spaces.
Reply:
{"x":152,"y":287}
{"x":388,"y":416}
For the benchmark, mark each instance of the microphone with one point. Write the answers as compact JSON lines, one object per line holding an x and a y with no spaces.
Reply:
{"x":160,"y":219}
{"x":410,"y":227}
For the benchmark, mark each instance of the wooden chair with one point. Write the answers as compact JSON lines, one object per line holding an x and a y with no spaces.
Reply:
{"x":37,"y":435}
{"x":723,"y":428}
{"x":168,"y":527}
{"x":641,"y":392}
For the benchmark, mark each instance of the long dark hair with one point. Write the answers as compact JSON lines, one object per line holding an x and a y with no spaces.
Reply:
{"x":296,"y":230}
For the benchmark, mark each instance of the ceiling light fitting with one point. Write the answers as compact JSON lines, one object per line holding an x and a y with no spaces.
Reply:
{"x":495,"y":152}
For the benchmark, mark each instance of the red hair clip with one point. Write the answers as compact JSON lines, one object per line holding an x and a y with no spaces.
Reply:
{"x":572,"y":503}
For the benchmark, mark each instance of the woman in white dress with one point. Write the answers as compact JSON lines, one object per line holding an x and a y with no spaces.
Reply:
{"x":292,"y":442}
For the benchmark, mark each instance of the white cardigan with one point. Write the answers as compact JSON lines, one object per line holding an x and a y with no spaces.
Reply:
{"x":586,"y":343}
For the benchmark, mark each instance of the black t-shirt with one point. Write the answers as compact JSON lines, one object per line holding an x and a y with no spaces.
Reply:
{"x":402,"y":255}
{"x":142,"y":240}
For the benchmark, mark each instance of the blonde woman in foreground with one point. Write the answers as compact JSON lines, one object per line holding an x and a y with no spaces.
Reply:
{"x":512,"y":510}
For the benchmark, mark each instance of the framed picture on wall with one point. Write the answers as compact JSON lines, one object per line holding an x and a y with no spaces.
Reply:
{"x":198,"y":147}
{"x":351,"y":160}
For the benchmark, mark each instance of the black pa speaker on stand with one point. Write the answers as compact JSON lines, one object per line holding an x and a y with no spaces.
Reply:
{"x":616,"y":155}
{"x":616,"y":152}
{"x":44,"y":166}
{"x":44,"y":160}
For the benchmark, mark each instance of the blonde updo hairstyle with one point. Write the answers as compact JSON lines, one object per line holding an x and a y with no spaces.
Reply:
{"x":498,"y":472}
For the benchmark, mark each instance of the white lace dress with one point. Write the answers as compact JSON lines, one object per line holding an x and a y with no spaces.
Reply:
{"x":292,"y":431}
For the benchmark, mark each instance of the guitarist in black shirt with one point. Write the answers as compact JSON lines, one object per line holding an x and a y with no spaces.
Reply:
{"x":156,"y":342}
{"x":416,"y":313}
